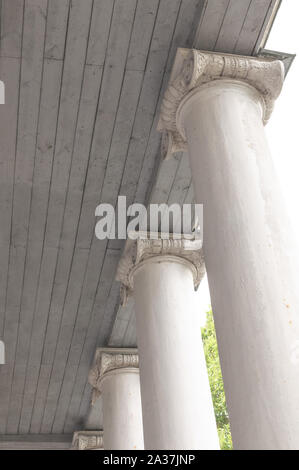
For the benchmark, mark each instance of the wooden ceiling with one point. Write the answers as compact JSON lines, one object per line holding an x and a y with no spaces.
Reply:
{"x":84,"y":80}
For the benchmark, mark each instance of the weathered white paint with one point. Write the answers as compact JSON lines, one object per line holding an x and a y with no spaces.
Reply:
{"x":176,"y":400}
{"x":122,"y":410}
{"x":249,"y":260}
{"x":114,"y":377}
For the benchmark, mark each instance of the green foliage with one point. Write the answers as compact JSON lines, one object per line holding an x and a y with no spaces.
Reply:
{"x":216,"y":382}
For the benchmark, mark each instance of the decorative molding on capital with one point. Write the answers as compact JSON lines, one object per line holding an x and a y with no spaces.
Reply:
{"x":148,"y":247}
{"x":88,"y":440}
{"x":193,"y":68}
{"x":107,"y":360}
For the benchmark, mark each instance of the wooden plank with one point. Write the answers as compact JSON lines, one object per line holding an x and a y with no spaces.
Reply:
{"x":121,"y":121}
{"x":57,"y":23}
{"x":10,"y":72}
{"x":64,"y":338}
{"x":158,"y":54}
{"x":179,"y":189}
{"x":39,"y":442}
{"x":66,"y":255}
{"x":12,"y":12}
{"x":47,"y":366}
{"x":38,"y":211}
{"x":151,"y":166}
{"x":74,"y":414}
{"x":35,"y":446}
{"x":210,"y":25}
{"x":253,"y":24}
{"x":121,"y":322}
{"x":42,"y":301}
{"x":103,"y":313}
{"x":91,"y":334}
{"x":14,"y":289}
{"x":110,"y":310}
{"x":181,"y":182}
{"x":31,"y":75}
{"x":130,"y":336}
{"x":99,"y":31}
{"x":171,"y":186}
{"x":94,"y":419}
{"x":146,"y":13}
{"x":71,"y":414}
{"x":150,"y":162}
{"x":85,"y":403}
{"x":165,"y":177}
{"x":17,"y":438}
{"x":266,"y":28}
{"x":232,"y":25}
{"x":83,"y":356}
{"x":39,"y":398}
{"x":78,"y":30}
{"x":121,"y":136}
{"x":11,"y":28}
{"x":167,"y":23}
{"x":117,"y":50}
{"x":81,"y":396}
{"x":190,"y":197}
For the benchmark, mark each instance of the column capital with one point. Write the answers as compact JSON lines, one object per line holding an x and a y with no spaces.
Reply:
{"x":151,"y":247}
{"x":193,"y":68}
{"x":88,"y":440}
{"x":107,"y":360}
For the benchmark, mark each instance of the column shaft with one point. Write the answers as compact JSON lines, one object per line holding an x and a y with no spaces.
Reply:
{"x":115,"y":376}
{"x":176,"y":400}
{"x":249,"y":261}
{"x":122,"y":410}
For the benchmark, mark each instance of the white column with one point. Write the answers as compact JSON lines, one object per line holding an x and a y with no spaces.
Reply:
{"x":115,"y":375}
{"x":176,"y":400}
{"x":216,"y":105}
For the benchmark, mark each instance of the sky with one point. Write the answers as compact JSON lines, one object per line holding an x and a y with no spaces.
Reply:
{"x":283,"y":128}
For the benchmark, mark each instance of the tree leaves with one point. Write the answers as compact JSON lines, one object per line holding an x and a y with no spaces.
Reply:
{"x":216,"y":382}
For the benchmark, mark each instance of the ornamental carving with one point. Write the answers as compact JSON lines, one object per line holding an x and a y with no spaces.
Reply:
{"x":88,"y":440}
{"x":107,"y":360}
{"x":193,"y":68}
{"x":146,"y":247}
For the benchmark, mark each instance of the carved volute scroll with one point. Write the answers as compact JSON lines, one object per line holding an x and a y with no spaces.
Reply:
{"x":144,"y":248}
{"x":193,"y":68}
{"x":107,"y":360}
{"x":88,"y":440}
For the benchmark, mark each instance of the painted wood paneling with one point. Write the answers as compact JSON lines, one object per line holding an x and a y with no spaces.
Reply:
{"x":253,"y":24}
{"x":12,"y":18}
{"x":211,"y":24}
{"x":57,"y":24}
{"x":34,"y":24}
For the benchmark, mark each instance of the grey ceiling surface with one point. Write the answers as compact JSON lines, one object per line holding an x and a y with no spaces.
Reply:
{"x":84,"y":80}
